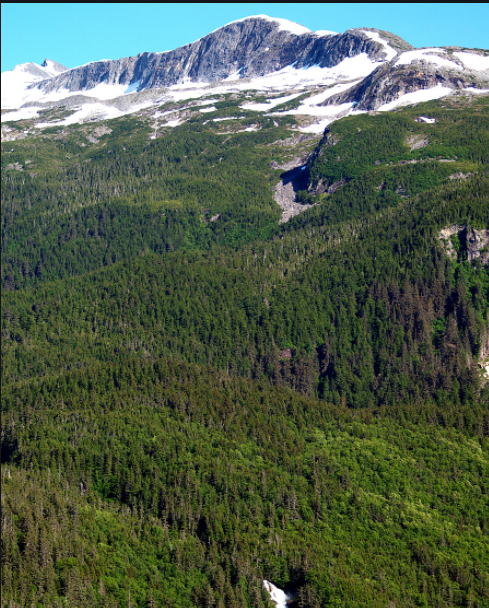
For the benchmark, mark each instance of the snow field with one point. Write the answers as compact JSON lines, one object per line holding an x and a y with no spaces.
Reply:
{"x":425,"y":55}
{"x":390,"y":52}
{"x":473,"y":61}
{"x":417,"y":97}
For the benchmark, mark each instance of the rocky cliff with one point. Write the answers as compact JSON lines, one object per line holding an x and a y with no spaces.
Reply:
{"x":361,"y":69}
{"x":248,"y":48}
{"x":389,"y":82}
{"x":473,"y":244}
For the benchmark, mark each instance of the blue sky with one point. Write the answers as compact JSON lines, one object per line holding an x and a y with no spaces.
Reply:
{"x":77,"y":33}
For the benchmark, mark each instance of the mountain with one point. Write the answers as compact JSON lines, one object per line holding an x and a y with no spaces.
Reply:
{"x":245,"y":326}
{"x":371,"y":69}
{"x":22,"y":76}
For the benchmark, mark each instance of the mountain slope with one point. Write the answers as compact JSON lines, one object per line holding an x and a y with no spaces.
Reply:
{"x":180,"y":485}
{"x":287,"y":292}
{"x":201,"y":390}
{"x":251,"y":47}
{"x":373,"y":67}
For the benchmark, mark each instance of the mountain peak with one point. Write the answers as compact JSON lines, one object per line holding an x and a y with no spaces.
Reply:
{"x":370,"y":68}
{"x":284,"y":24}
{"x":53,"y":66}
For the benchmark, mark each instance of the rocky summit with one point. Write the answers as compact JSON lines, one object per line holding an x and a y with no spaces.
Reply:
{"x":362,"y":69}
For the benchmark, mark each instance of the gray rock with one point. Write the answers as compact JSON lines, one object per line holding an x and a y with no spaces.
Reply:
{"x":474,"y":242}
{"x":256,"y":47}
{"x":253,"y":47}
{"x":389,"y":82}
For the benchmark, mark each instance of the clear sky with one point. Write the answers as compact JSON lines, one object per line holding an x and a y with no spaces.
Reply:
{"x":77,"y":33}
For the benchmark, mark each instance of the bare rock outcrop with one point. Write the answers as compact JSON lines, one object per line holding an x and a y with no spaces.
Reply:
{"x":248,"y":48}
{"x":484,"y":354}
{"x":389,"y":82}
{"x":475,"y":243}
{"x":285,"y":193}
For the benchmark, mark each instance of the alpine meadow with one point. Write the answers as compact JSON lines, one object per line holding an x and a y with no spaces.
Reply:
{"x":245,"y":325}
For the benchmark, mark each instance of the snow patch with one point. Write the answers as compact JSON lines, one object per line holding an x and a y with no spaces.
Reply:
{"x":426,"y":55}
{"x":289,"y":26}
{"x":22,"y":114}
{"x":417,"y":97}
{"x":390,"y":52}
{"x":317,"y":128}
{"x":325,"y":33}
{"x":234,"y":75}
{"x":473,"y":61}
{"x":174,"y":123}
{"x":206,"y":102}
{"x":211,"y":109}
{"x":431,"y":121}
{"x":271,"y":103}
{"x":476,"y":91}
{"x":104,"y":91}
{"x":132,"y":87}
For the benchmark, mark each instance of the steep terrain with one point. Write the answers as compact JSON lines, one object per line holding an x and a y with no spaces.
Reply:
{"x":371,"y":69}
{"x":245,"y":330}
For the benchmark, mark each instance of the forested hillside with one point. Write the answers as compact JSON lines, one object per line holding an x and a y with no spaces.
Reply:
{"x":196,"y":397}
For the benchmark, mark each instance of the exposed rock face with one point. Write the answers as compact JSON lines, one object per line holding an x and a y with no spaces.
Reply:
{"x":416,"y":141}
{"x":474,"y":242}
{"x":477,"y":243}
{"x":293,"y":180}
{"x":389,"y":82}
{"x":252,"y":47}
{"x":484,"y":354}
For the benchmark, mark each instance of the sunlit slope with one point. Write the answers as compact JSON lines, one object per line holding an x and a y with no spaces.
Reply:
{"x":172,"y":483}
{"x":77,"y":200}
{"x":373,"y":311}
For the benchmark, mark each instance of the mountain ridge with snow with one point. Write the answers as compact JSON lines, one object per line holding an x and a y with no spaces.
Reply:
{"x":373,"y":69}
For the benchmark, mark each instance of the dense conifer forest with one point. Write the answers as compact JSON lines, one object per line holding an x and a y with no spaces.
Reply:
{"x":196,"y":398}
